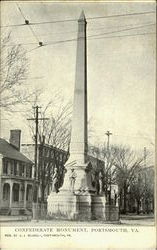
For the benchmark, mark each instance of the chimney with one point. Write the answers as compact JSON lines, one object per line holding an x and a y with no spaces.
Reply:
{"x":15,"y":138}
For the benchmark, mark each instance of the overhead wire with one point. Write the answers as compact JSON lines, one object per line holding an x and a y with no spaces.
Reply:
{"x":27,"y":23}
{"x":119,"y":26}
{"x":75,"y":32}
{"x":34,"y":34}
{"x":88,"y":18}
{"x":20,"y":11}
{"x":91,"y":37}
{"x":39,"y":23}
{"x":75,"y":39}
{"x":117,"y":31}
{"x":122,"y":15}
{"x":139,"y":34}
{"x":127,"y":136}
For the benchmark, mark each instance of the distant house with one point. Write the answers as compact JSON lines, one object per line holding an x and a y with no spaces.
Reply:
{"x":16,"y":181}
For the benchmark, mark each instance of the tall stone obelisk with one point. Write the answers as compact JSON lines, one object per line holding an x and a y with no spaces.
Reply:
{"x":74,"y":199}
{"x":79,"y":139}
{"x":79,"y":144}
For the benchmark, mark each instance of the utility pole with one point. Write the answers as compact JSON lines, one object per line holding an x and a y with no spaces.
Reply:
{"x":108,"y":133}
{"x":36,"y":119}
{"x":145,"y":175}
{"x":145,"y":157}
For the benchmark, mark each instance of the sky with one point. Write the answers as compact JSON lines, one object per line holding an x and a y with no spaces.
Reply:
{"x":120,"y":65}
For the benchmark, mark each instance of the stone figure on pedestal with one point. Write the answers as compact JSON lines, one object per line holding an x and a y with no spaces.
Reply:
{"x":54,"y":181}
{"x":72,"y":179}
{"x":100,"y":183}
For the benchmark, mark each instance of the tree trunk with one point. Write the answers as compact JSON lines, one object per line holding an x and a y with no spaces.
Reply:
{"x":120,"y":201}
{"x":138,"y":207}
{"x":42,"y":193}
{"x":125,"y":198}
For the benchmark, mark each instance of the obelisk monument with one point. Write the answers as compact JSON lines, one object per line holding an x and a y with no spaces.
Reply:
{"x":77,"y":188}
{"x":79,"y":139}
{"x":79,"y":144}
{"x":77,"y":198}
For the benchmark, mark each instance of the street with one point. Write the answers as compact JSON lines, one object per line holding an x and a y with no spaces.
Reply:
{"x":123,"y":222}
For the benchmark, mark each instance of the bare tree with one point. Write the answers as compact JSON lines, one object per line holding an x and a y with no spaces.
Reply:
{"x":120,"y":167}
{"x":127,"y":162}
{"x":53,"y":139}
{"x":57,"y":127}
{"x":142,"y":189}
{"x":13,"y":75}
{"x":106,"y":161}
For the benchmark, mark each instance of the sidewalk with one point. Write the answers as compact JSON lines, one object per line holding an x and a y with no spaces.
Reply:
{"x":137,"y":216}
{"x":127,"y":219}
{"x":9,"y":218}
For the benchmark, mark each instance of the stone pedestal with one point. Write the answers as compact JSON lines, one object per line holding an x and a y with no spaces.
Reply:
{"x":86,"y":207}
{"x":73,"y":204}
{"x":103,"y":212}
{"x":111,"y":213}
{"x":98,"y":207}
{"x":62,"y":205}
{"x":69,"y":206}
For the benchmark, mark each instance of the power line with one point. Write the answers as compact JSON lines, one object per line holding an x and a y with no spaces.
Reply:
{"x":117,"y":31}
{"x":124,"y":135}
{"x":75,"y":39}
{"x":75,"y":32}
{"x":61,"y":41}
{"x":27,"y":23}
{"x":71,"y":40}
{"x":139,"y":34}
{"x":122,"y":15}
{"x":119,"y":26}
{"x":72,"y":20}
{"x":20,"y":11}
{"x":33,"y":49}
{"x":34,"y":34}
{"x":40,"y":23}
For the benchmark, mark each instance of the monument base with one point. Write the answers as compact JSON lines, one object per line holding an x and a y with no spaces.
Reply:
{"x":66,"y":205}
{"x":98,"y":207}
{"x":112,"y":213}
{"x":80,"y":207}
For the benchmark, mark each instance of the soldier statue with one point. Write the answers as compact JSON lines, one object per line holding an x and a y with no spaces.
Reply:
{"x":72,"y":179}
{"x":54,"y":181}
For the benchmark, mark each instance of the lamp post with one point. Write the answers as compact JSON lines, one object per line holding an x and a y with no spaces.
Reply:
{"x":108,"y":133}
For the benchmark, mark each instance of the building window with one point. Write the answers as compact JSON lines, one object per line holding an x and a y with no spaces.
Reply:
{"x":16,"y":192}
{"x":5,"y":166}
{"x":12,"y":167}
{"x":29,"y":172}
{"x":22,"y":189}
{"x":29,"y":193}
{"x":21,"y":169}
{"x":6,"y":191}
{"x":15,"y":168}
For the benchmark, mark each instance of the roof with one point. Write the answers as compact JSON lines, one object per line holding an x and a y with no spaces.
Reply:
{"x":9,"y":151}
